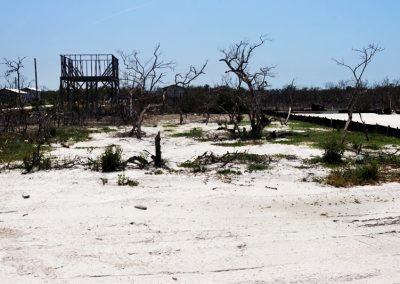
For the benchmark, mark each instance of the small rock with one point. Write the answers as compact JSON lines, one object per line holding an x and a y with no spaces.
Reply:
{"x":174,"y":278}
{"x":25,"y":196}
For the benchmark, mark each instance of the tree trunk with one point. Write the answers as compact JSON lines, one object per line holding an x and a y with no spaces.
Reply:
{"x":157,"y":158}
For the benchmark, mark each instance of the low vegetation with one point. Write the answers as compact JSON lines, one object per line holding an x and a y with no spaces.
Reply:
{"x":111,"y":159}
{"x":126,"y":181}
{"x":257,"y":167}
{"x":317,"y":136}
{"x":196,"y":133}
{"x":358,"y":175}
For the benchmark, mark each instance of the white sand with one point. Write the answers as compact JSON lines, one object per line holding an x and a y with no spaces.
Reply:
{"x":392,"y":120}
{"x":197,"y":229}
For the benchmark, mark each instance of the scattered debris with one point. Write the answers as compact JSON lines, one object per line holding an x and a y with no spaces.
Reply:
{"x":140,"y":207}
{"x":271,"y":187}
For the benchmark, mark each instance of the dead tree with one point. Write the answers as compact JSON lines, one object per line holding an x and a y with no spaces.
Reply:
{"x":289,"y":90}
{"x":357,"y":71}
{"x":237,"y":58}
{"x":183,"y":82}
{"x":142,"y":77}
{"x":15,"y":66}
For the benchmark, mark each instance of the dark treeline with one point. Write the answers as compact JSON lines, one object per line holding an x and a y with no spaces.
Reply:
{"x":201,"y":99}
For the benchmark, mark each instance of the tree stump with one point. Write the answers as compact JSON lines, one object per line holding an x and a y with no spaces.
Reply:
{"x":157,"y":158}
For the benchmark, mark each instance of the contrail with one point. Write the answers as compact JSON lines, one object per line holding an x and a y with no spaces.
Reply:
{"x":121,"y":12}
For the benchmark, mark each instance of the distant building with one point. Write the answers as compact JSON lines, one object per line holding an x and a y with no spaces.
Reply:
{"x":10,"y":96}
{"x":31,"y":94}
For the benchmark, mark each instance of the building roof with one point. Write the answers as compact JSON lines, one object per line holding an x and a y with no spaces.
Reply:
{"x":27,"y":89}
{"x":10,"y":90}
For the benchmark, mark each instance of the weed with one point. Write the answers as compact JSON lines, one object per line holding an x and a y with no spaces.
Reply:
{"x":257,"y":167}
{"x":104,"y":180}
{"x":228,"y":172}
{"x":195,"y":166}
{"x":14,"y":148}
{"x":239,"y":143}
{"x":123,"y":181}
{"x":196,"y":133}
{"x":289,"y":157}
{"x":332,"y":152}
{"x":69,"y":134}
{"x":35,"y":160}
{"x":359,"y":175}
{"x":111,"y":159}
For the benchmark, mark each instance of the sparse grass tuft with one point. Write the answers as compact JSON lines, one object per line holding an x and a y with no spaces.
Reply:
{"x":332,"y":152}
{"x":316,"y":136}
{"x":239,"y":143}
{"x":69,"y":134}
{"x":228,"y":172}
{"x":196,"y":133}
{"x":14,"y":148}
{"x":123,"y":181}
{"x":257,"y":167}
{"x":359,"y":175}
{"x":289,"y":157}
{"x":195,"y":166}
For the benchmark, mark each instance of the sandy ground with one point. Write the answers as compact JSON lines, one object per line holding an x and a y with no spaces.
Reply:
{"x":197,"y":228}
{"x":392,"y":120}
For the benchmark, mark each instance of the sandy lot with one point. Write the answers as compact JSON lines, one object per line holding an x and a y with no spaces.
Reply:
{"x":392,"y":120}
{"x":197,"y":228}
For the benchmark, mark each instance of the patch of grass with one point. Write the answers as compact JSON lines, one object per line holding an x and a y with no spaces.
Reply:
{"x":257,"y":167}
{"x":171,"y":125}
{"x":125,"y":181}
{"x":228,"y":172}
{"x":14,"y":148}
{"x":350,"y":176}
{"x":195,"y":166}
{"x":239,"y":143}
{"x":196,"y":133}
{"x":316,"y":135}
{"x":105,"y":129}
{"x":69,"y":134}
{"x":251,"y":158}
{"x":289,"y":157}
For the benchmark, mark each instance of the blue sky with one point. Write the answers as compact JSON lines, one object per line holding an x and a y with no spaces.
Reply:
{"x":306,"y":34}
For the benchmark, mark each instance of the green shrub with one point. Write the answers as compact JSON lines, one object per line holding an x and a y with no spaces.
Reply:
{"x":111,"y":159}
{"x":369,"y":172}
{"x":332,"y":152}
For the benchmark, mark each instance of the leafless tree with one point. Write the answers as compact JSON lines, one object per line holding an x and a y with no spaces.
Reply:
{"x":357,"y":71}
{"x":237,"y":59}
{"x":289,"y":90}
{"x":183,"y":82}
{"x":14,"y":66}
{"x":142,"y":77}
